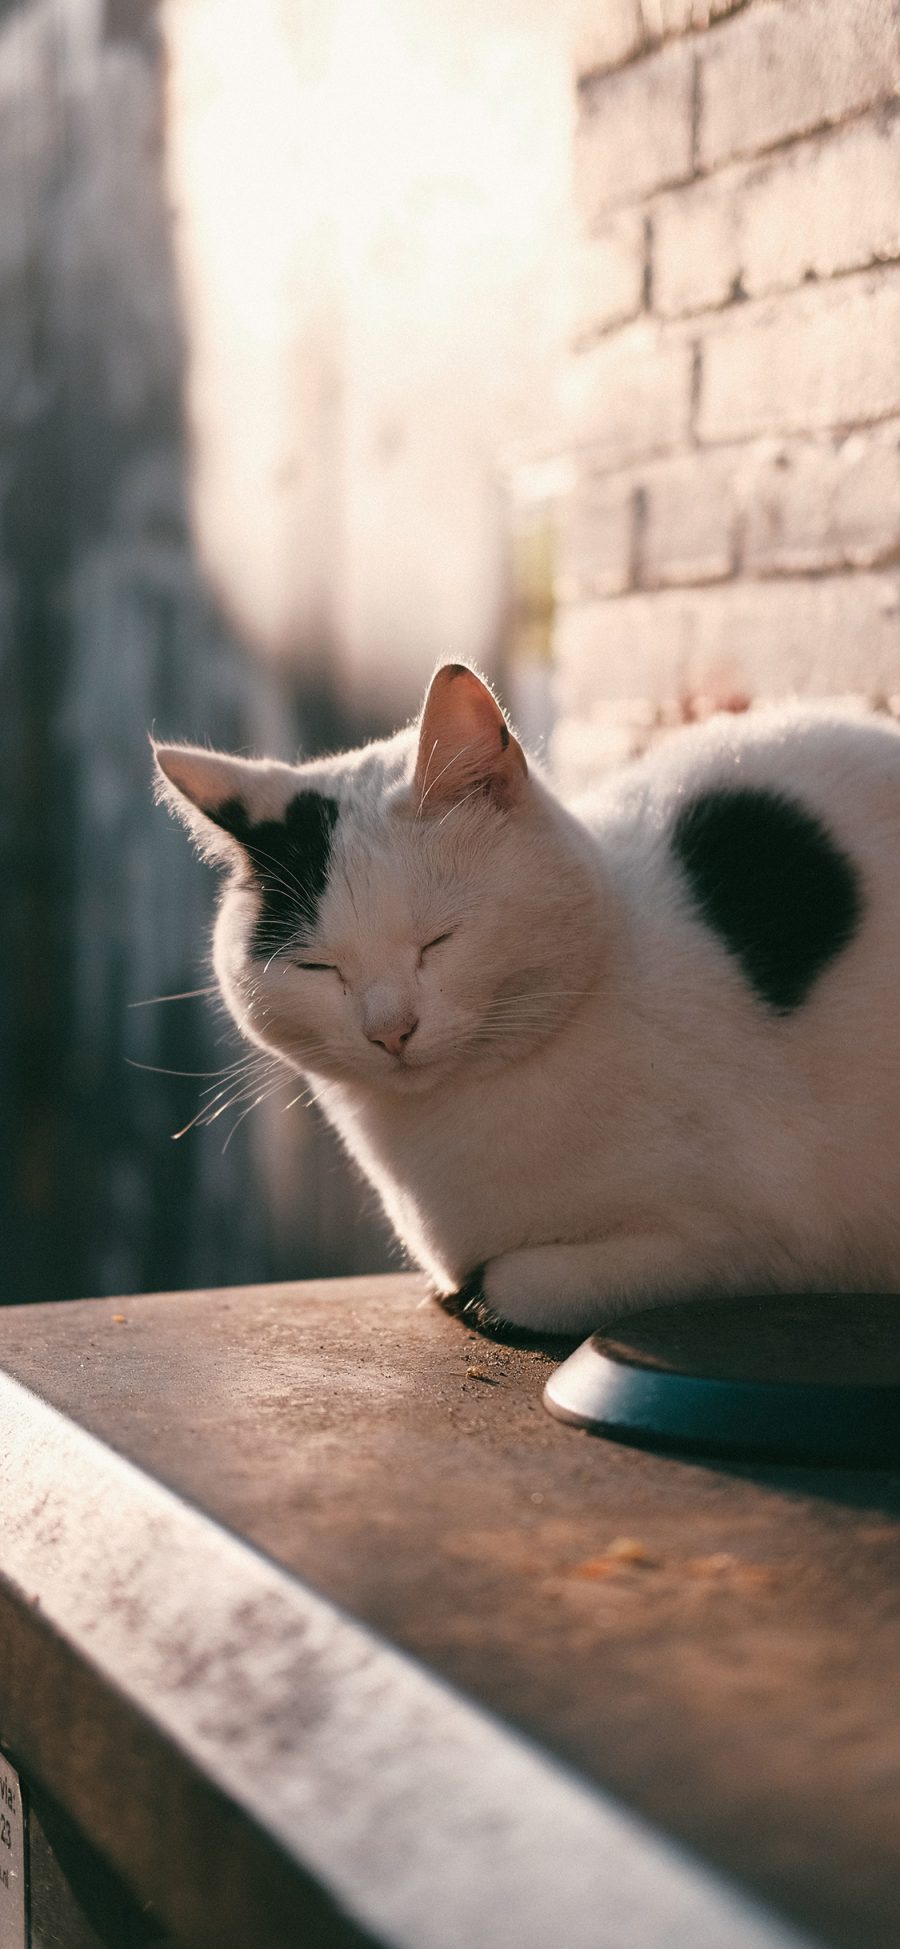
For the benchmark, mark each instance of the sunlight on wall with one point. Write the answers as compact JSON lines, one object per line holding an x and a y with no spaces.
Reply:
{"x":246,"y":116}
{"x":371,"y":203}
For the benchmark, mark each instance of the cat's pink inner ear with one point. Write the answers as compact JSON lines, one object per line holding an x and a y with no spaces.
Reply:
{"x":465,"y":743}
{"x":200,"y":787}
{"x":208,"y":779}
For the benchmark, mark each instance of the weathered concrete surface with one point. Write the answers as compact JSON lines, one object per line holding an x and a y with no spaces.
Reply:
{"x":268,"y":1771}
{"x":734,"y":1677}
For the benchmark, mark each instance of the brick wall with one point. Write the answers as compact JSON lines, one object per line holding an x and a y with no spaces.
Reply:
{"x":733,"y":398}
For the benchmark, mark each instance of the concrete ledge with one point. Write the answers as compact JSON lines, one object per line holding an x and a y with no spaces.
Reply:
{"x":262,"y":1768}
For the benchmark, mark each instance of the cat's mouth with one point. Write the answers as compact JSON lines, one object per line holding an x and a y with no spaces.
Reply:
{"x":411,"y":1072}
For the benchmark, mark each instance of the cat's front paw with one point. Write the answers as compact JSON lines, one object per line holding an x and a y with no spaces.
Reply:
{"x":470,"y":1302}
{"x":502,"y":1298}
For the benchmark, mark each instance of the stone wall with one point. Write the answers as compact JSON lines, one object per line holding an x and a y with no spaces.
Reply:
{"x":732,"y":527}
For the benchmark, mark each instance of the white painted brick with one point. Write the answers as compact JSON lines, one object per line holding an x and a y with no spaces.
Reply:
{"x":634,"y":131}
{"x":814,"y":504}
{"x":610,"y":274}
{"x":786,"y":67}
{"x":773,"y":507}
{"x":597,"y":540}
{"x":825,"y":356}
{"x":696,"y":246}
{"x":629,"y":395}
{"x":610,"y":32}
{"x":668,"y":521}
{"x":690,"y":515}
{"x":665,"y":17}
{"x":827,"y":205}
{"x":822,"y":635}
{"x":606,"y":33}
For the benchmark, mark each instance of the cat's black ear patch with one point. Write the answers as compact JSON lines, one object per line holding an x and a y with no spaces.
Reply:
{"x":771,"y":882}
{"x":289,"y":860}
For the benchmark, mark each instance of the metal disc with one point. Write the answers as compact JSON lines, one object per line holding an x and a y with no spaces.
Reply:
{"x":812,"y":1377}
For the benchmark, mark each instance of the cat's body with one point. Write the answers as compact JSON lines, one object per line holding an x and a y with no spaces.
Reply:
{"x":642,"y":1048}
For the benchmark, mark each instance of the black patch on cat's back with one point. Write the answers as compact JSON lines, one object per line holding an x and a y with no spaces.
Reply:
{"x":289,"y":859}
{"x":770,"y":881}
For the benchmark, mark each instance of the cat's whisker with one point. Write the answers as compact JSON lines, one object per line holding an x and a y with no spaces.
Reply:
{"x":200,"y":1117}
{"x":426,"y":788}
{"x":207,"y":1112}
{"x":212,"y":1115}
{"x":349,"y":886}
{"x":261,"y":1098}
{"x":459,"y":803}
{"x":549,"y":994}
{"x":227,"y":1031}
{"x":286,"y":949}
{"x":264,"y":1083}
{"x":506,"y":1031}
{"x":453,"y":760}
{"x":187,"y":995}
{"x":240,"y":1072}
{"x":279,"y":873}
{"x":157,"y":1069}
{"x":303,"y":1096}
{"x":512,"y":1004}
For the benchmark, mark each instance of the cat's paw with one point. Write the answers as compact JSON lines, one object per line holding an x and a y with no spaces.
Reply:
{"x":530,"y":1289}
{"x":583,"y":1287}
{"x":470,"y":1303}
{"x":511,"y":1298}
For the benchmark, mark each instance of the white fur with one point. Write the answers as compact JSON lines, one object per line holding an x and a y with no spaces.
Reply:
{"x":594,"y":1104}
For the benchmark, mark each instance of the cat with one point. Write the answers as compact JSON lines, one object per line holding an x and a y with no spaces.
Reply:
{"x":592,"y":1057}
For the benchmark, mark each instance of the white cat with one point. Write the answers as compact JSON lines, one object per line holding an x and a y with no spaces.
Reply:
{"x":590,"y":1057}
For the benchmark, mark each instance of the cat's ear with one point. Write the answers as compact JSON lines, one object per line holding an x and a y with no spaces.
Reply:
{"x":220,"y":798}
{"x":465,"y":744}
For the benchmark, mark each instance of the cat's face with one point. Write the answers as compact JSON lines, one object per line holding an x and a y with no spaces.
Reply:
{"x":399,"y":912}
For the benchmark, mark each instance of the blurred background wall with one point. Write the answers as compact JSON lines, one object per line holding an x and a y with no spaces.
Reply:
{"x":282,"y":300}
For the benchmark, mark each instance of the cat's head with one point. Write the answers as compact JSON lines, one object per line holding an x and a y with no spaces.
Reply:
{"x":398,"y":911}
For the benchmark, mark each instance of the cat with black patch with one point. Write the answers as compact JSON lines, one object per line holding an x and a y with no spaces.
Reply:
{"x":593,"y":1055}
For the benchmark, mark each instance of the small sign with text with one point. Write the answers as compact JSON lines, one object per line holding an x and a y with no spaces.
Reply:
{"x":12,"y":1860}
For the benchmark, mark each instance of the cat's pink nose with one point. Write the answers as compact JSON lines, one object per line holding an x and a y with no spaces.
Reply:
{"x":394,"y":1040}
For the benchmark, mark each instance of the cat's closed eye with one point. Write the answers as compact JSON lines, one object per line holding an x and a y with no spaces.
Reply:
{"x":437,"y":942}
{"x":317,"y":967}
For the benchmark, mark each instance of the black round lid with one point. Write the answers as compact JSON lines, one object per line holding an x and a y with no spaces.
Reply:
{"x":811,"y":1377}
